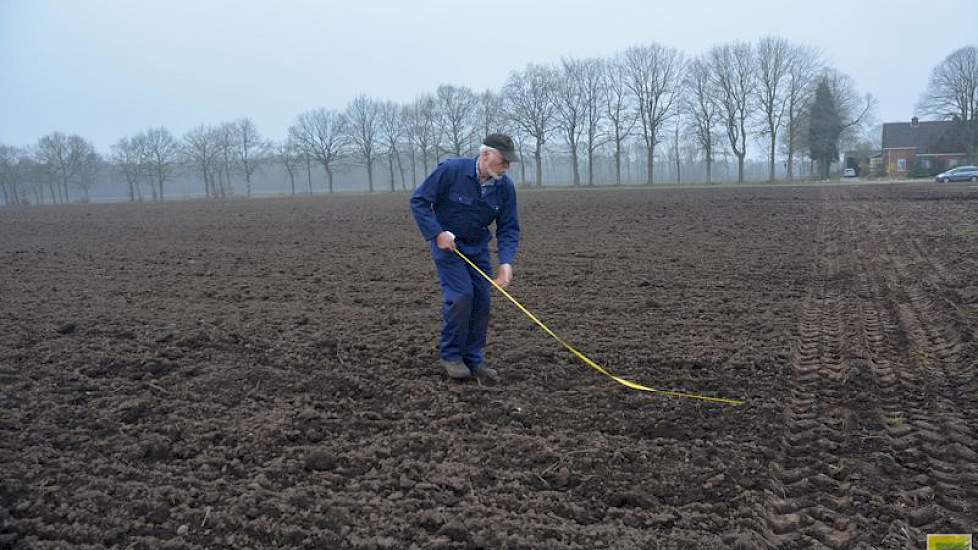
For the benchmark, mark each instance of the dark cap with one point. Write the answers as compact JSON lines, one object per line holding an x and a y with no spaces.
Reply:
{"x":503,"y":144}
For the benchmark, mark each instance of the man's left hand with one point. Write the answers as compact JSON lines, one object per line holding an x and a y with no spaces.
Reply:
{"x":505,"y":275}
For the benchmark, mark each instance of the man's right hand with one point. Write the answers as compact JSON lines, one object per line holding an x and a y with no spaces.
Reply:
{"x":445,"y":240}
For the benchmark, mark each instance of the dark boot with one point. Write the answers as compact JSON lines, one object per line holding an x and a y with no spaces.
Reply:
{"x":486,"y":374}
{"x":455,"y":369}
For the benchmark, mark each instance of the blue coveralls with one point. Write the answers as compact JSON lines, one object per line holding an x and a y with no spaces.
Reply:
{"x":452,"y":199}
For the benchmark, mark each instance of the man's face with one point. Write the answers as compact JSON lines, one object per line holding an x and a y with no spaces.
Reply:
{"x":494,"y":163}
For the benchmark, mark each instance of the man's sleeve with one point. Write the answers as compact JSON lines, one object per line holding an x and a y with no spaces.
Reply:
{"x":508,"y":229}
{"x":422,"y":204}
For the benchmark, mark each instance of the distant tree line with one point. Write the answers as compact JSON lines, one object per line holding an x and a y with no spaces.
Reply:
{"x":651,"y":99}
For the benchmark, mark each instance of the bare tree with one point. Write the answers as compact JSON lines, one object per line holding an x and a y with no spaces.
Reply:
{"x":570,"y":102}
{"x":61,"y":156}
{"x":653,"y":76}
{"x":456,"y":107}
{"x":736,"y":81}
{"x":529,"y":99}
{"x":127,"y":156}
{"x":162,"y":152}
{"x":29,"y":175}
{"x":88,"y":170}
{"x":519,"y":139}
{"x":952,"y":94}
{"x":307,"y":158}
{"x":490,"y":115}
{"x":803,"y":69}
{"x":621,"y":118}
{"x":703,"y":113}
{"x":409,"y":125}
{"x":594,"y":91}
{"x":227,"y":143}
{"x":363,"y":116}
{"x":422,"y":122}
{"x":20,"y":174}
{"x":289,"y":154}
{"x":250,"y":148}
{"x":9,"y":177}
{"x":674,"y":151}
{"x":773,"y":74}
{"x":324,"y":135}
{"x":200,"y":149}
{"x":391,"y":132}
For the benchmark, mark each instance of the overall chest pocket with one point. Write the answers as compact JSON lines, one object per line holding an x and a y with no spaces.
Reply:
{"x":462,"y":199}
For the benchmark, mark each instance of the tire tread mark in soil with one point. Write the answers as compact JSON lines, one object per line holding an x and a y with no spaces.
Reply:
{"x":943,"y":449}
{"x":811,"y":502}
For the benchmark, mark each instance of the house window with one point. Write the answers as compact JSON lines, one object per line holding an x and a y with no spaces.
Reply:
{"x":902,"y":165}
{"x":951,"y":163}
{"x":925,"y":164}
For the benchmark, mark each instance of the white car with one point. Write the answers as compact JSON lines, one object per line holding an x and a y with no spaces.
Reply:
{"x":849,"y":173}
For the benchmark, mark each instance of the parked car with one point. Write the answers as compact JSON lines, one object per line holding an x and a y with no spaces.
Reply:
{"x":849,"y":173}
{"x":961,"y":173}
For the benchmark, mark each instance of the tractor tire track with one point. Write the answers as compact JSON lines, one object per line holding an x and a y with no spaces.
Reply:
{"x":924,"y":381}
{"x":940,"y":373}
{"x":812,"y":492}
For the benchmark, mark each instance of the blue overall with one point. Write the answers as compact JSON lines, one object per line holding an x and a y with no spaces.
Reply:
{"x":452,"y":199}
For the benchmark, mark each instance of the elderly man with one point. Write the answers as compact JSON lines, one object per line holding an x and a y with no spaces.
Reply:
{"x":453,"y":209}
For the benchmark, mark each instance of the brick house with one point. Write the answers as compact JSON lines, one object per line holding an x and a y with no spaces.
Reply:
{"x":931,"y":143}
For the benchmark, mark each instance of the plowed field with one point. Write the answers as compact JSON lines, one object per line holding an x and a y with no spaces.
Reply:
{"x":262,"y":374}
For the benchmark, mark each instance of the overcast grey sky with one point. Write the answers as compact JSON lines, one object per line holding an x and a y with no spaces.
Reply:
{"x":109,"y":68}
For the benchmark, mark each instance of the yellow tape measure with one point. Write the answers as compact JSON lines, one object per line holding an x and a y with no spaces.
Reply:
{"x":584,"y":358}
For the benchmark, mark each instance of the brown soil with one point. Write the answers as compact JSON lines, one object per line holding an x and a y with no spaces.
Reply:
{"x":254,"y":374}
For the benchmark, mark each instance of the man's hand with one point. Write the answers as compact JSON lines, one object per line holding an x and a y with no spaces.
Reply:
{"x":445,"y":240}
{"x":505,"y":275}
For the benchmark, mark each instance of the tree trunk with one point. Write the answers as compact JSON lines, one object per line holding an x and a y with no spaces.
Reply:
{"x":740,"y":167}
{"x":651,"y":163}
{"x":414,"y":170}
{"x":617,"y":162}
{"x":538,"y":157}
{"x":709,"y":166}
{"x":309,"y":173}
{"x":370,"y":174}
{"x":824,"y":167}
{"x":770,"y":177}
{"x":574,"y":161}
{"x":590,"y":167}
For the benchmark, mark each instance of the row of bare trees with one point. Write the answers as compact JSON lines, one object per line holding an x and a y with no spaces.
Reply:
{"x":735,"y":98}
{"x":729,"y":98}
{"x":58,"y":162}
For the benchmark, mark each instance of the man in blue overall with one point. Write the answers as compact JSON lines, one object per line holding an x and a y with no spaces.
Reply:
{"x":454,"y":208}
